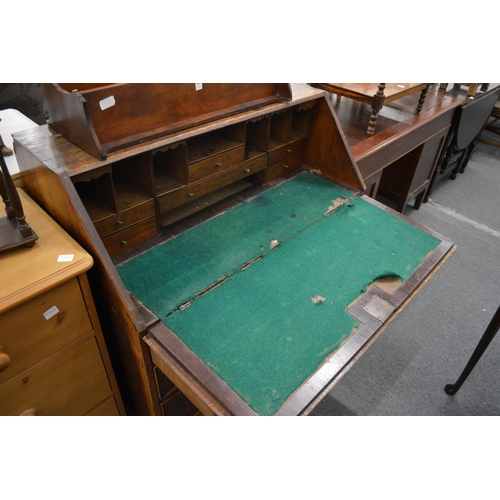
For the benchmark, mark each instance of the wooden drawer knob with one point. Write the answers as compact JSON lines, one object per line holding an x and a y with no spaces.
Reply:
{"x":4,"y":359}
{"x":30,"y":412}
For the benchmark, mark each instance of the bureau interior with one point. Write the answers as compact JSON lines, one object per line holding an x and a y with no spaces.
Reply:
{"x":189,"y":173}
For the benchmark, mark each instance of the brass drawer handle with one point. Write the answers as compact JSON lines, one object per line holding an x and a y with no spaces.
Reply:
{"x":285,"y":166}
{"x":218,"y":164}
{"x":288,"y":151}
{"x":124,"y":243}
{"x":4,"y":359}
{"x":119,"y":223}
{"x":247,"y":170}
{"x":190,"y":195}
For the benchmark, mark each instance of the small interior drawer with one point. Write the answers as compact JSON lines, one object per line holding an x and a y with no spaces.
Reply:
{"x":283,"y":167}
{"x":68,"y":384}
{"x":131,"y":236}
{"x":125,"y":219}
{"x":217,"y":163}
{"x":288,"y":150}
{"x":42,"y":326}
{"x":194,"y":191}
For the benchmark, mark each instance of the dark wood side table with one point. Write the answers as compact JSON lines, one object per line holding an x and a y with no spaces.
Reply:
{"x":376,"y":95}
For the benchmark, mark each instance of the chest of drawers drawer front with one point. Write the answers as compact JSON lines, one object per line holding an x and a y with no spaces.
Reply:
{"x":28,"y":337}
{"x":106,"y":409}
{"x":191,"y":192}
{"x":131,"y":236}
{"x":125,"y":219}
{"x":287,"y":151}
{"x":216,"y":164}
{"x":67,"y":385}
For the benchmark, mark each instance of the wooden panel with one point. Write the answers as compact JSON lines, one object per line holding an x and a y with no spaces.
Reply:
{"x":382,"y":153}
{"x":28,"y":337}
{"x":328,"y":151}
{"x":67,"y":385}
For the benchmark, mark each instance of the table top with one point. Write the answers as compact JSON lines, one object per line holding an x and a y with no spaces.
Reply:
{"x":365,"y":91}
{"x":55,"y":258}
{"x":12,"y":121}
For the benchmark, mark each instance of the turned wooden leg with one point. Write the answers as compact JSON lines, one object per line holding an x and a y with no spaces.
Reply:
{"x":487,"y":337}
{"x":421,"y":100}
{"x":5,"y":198}
{"x":377,"y":103}
{"x":14,"y":209}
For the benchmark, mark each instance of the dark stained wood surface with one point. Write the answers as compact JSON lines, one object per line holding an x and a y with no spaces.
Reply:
{"x":399,"y":159}
{"x":364,"y":92}
{"x":104,"y":117}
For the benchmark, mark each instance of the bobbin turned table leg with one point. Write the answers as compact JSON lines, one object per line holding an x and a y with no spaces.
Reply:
{"x":487,"y":337}
{"x":377,"y":103}
{"x":421,"y":100}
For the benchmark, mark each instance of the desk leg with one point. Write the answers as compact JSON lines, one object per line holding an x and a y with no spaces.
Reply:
{"x":421,"y":100}
{"x":377,"y":103}
{"x":487,"y":337}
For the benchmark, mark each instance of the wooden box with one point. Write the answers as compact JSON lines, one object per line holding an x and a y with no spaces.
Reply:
{"x":103,"y":117}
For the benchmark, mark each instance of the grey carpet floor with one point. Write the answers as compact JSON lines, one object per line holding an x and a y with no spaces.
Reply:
{"x":431,"y":340}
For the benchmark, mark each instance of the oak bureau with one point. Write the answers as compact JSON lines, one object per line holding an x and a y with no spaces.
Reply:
{"x":279,"y":175}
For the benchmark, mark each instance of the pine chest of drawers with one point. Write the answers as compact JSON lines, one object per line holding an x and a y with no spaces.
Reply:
{"x":53,"y":357}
